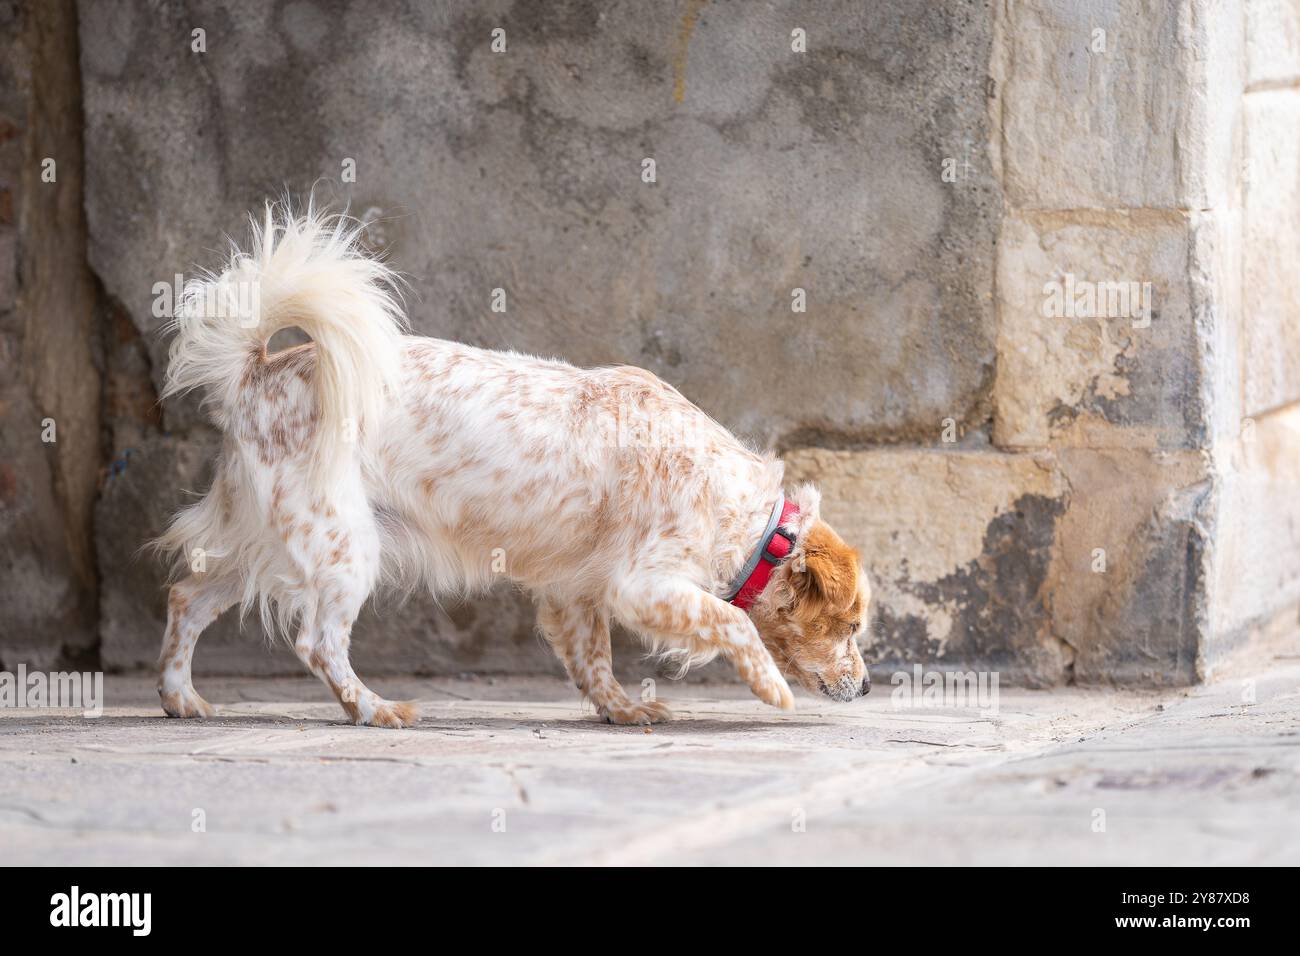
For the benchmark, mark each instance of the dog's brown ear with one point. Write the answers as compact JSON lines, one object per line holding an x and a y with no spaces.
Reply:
{"x":825,"y":570}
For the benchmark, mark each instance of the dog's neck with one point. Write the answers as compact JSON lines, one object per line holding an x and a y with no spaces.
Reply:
{"x":741,"y":516}
{"x":775,"y":544}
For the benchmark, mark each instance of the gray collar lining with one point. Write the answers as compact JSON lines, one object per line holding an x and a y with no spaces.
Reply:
{"x":743,"y":574}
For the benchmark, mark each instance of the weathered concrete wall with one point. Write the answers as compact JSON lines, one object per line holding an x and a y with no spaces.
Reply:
{"x":1092,"y":491}
{"x":49,"y":382}
{"x":776,"y":170}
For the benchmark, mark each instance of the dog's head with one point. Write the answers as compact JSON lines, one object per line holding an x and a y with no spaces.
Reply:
{"x":815,"y":608}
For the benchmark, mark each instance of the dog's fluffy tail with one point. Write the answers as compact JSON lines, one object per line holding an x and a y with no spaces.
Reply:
{"x":306,"y":271}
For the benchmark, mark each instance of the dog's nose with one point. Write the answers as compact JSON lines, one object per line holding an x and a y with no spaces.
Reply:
{"x":866,"y":685}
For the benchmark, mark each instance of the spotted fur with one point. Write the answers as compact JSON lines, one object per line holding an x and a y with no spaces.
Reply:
{"x":602,"y":492}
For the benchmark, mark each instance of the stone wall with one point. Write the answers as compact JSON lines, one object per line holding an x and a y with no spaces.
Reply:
{"x":775,"y":170}
{"x":49,"y":379}
{"x":1256,"y":584}
{"x":1098,"y":490}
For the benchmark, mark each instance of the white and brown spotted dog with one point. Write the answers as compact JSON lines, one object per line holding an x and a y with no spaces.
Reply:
{"x":369,"y":456}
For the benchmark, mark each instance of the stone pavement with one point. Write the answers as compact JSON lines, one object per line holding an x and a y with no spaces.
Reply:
{"x":511,"y":770}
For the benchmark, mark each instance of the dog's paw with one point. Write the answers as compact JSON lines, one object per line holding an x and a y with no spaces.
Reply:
{"x":392,"y":713}
{"x":184,"y":703}
{"x":773,"y":690}
{"x":765,"y":681}
{"x":646,"y":712}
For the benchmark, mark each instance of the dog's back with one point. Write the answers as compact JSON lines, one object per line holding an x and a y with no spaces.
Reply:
{"x":498,"y":464}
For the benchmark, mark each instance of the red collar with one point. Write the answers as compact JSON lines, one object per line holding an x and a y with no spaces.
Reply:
{"x":775,"y":547}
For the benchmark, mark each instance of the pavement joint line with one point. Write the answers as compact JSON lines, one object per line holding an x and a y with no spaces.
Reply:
{"x":1186,"y":748}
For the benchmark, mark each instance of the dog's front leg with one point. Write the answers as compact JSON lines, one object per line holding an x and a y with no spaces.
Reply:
{"x":580,"y":635}
{"x":678,"y":611}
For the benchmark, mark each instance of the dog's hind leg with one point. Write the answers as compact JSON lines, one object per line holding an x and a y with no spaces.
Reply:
{"x":580,"y":636}
{"x":322,"y":645}
{"x":332,"y":544}
{"x":192,"y":605}
{"x":341,"y":583}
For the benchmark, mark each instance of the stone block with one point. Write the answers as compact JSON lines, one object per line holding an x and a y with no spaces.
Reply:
{"x":1271,"y":249}
{"x":1097,"y":343}
{"x":1272,"y":41}
{"x":958,"y":545}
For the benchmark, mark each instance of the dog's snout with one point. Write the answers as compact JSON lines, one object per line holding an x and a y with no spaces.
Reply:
{"x":866,"y":685}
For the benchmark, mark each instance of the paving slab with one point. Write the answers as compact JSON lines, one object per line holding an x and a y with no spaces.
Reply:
{"x":516,"y":771}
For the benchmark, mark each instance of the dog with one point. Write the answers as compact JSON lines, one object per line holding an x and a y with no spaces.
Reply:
{"x":370,"y":457}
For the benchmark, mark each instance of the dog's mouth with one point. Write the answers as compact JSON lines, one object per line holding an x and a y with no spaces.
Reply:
{"x":844,"y":689}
